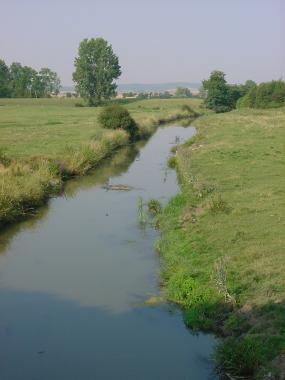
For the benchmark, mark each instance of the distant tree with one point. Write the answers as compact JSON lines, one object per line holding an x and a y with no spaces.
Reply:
{"x":96,"y":67}
{"x":165,"y":95}
{"x":143,"y":95}
{"x":50,"y":81}
{"x":183,"y":92}
{"x":21,"y":80}
{"x":265,"y":95}
{"x":4,"y":80}
{"x":129,"y":94}
{"x":249,"y":84}
{"x":218,"y":94}
{"x":235,"y":91}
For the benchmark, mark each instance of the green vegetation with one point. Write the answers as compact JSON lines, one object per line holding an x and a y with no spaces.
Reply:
{"x":45,"y":141}
{"x":141,"y":213}
{"x":19,"y":81}
{"x":154,"y":207}
{"x":96,"y":67}
{"x":265,"y":95}
{"x":117,"y":117}
{"x":223,"y":238}
{"x":183,"y":92}
{"x":220,"y":96}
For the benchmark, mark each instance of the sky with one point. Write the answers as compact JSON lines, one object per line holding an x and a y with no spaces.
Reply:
{"x":156,"y":40}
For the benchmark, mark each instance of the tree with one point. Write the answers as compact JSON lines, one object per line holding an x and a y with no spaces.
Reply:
{"x":4,"y":80}
{"x":182,"y":92}
{"x":265,"y":95}
{"x":50,"y":81}
{"x":96,"y":67}
{"x":218,"y":94}
{"x":21,"y":80}
{"x":249,"y":84}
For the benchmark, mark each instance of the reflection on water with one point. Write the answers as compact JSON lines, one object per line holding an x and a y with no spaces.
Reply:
{"x":71,"y":280}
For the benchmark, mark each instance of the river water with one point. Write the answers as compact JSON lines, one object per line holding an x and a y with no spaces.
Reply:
{"x":75,"y":278}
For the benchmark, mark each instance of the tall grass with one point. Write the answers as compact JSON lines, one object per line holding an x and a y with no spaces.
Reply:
{"x":26,"y":184}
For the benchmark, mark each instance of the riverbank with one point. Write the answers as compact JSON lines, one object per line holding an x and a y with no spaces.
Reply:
{"x":46,"y":141}
{"x":223,"y":239}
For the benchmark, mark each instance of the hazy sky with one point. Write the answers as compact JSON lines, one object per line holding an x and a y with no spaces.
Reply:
{"x":156,"y":40}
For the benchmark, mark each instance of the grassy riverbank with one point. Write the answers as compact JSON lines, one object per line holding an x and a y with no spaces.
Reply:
{"x":223,"y":238}
{"x":44,"y":141}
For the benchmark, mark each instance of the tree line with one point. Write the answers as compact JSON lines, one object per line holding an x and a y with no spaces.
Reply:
{"x":19,"y":81}
{"x":97,"y":67}
{"x":220,"y":96}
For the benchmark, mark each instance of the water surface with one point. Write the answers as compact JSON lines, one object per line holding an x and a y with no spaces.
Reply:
{"x":73,"y":282}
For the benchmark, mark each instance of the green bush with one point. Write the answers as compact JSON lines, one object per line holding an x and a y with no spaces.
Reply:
{"x":154,"y":207}
{"x":244,"y":356}
{"x":117,"y":117}
{"x":265,"y":95}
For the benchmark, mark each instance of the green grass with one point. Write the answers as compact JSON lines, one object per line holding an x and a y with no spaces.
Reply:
{"x":43,"y":141}
{"x":44,"y":127}
{"x":223,"y":237}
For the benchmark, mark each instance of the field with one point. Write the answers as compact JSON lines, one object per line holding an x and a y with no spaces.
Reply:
{"x":43,"y":141}
{"x":223,"y":238}
{"x":44,"y":127}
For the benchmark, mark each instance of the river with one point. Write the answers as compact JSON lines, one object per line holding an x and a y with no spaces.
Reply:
{"x":74,"y":280}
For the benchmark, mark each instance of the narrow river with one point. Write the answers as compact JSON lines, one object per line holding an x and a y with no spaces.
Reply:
{"x":74,"y":281}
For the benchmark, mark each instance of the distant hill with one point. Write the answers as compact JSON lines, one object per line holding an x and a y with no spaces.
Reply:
{"x":147,"y":87}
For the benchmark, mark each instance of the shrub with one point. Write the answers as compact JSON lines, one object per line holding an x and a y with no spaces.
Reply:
{"x":265,"y":95}
{"x":117,"y":117}
{"x":245,"y":355}
{"x":4,"y":159}
{"x":154,"y":207}
{"x":171,"y":162}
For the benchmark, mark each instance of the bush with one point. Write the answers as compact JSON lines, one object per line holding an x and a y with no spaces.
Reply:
{"x":265,"y":95}
{"x":118,"y":117}
{"x":154,"y":207}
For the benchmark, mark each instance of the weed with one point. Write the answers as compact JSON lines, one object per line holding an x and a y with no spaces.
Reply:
{"x":218,"y":204}
{"x":141,"y":213}
{"x":171,"y":162}
{"x":154,"y":206}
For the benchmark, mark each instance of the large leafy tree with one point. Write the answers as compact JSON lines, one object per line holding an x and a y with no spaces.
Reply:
{"x":21,"y":80}
{"x":96,"y":68}
{"x":218,"y":94}
{"x":4,"y":80}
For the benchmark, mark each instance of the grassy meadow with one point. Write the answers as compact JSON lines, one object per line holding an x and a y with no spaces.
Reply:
{"x":43,"y":141}
{"x":223,"y":238}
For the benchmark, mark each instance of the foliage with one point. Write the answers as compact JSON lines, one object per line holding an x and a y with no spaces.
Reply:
{"x":154,"y":207}
{"x":115,"y":117}
{"x":4,"y":80}
{"x":243,"y":356}
{"x":141,"y":213}
{"x":96,"y":67}
{"x":24,"y":82}
{"x":265,"y":95}
{"x":183,"y":92}
{"x":171,"y":162}
{"x":218,"y":96}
